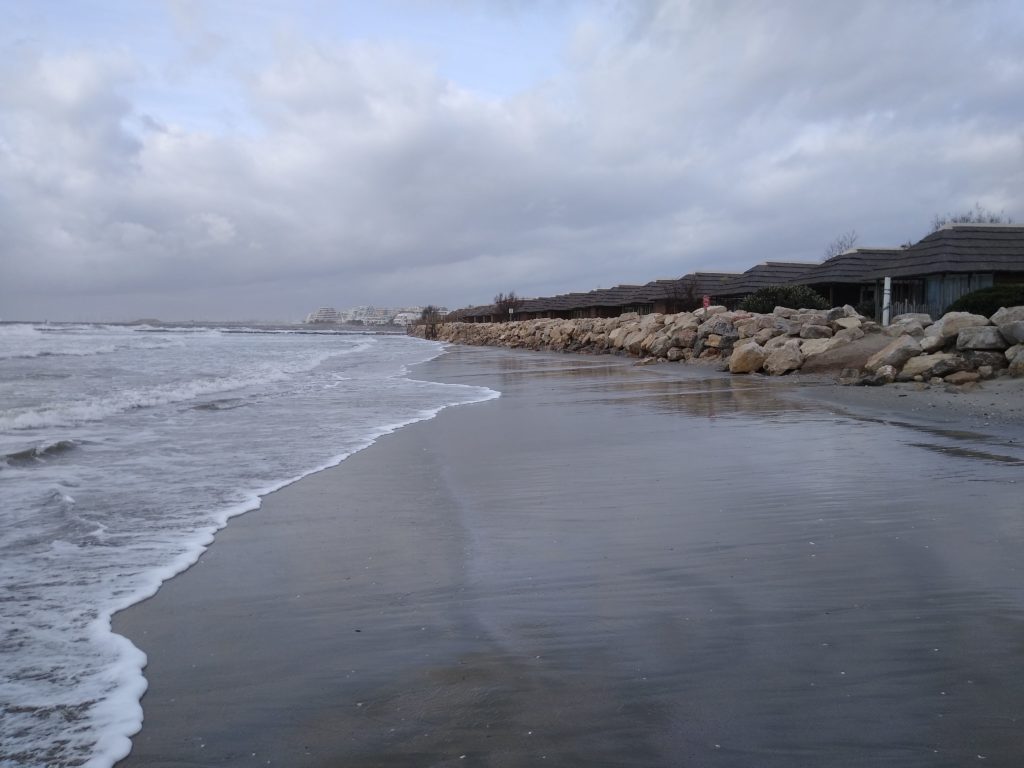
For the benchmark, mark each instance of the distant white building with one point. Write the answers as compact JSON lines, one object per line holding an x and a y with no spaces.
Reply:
{"x":407,"y":317}
{"x":324,"y":315}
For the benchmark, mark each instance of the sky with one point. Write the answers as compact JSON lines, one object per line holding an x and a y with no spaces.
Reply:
{"x":210,"y":159}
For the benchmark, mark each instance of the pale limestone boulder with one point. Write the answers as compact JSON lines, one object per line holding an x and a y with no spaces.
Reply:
{"x":675,"y":354}
{"x":1008,"y":315}
{"x":813,"y":347}
{"x":950,"y":324}
{"x":746,"y":328}
{"x":660,"y":346}
{"x":922,"y":318}
{"x":784,"y":359}
{"x":846,"y":335}
{"x":784,"y":312}
{"x":813,"y":331}
{"x":896,"y":353}
{"x":909,"y":327}
{"x":1013,"y":352}
{"x":962,"y":377}
{"x":775,"y":342}
{"x":1016,"y":369}
{"x":927,"y":366}
{"x":747,"y":358}
{"x":931,"y":343}
{"x":762,"y":336}
{"x":982,"y":337}
{"x":847,"y":323}
{"x":703,"y":314}
{"x":633,"y":341}
{"x":652,"y":320}
{"x":1013,"y":332}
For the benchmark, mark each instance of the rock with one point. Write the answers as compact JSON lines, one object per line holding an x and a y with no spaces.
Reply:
{"x":834,"y":314}
{"x":775,"y":342}
{"x":747,"y":358}
{"x":1013,"y":332}
{"x":870,"y":326}
{"x":977,"y":357}
{"x":846,"y":335}
{"x":660,"y":346}
{"x":685,"y":337}
{"x":784,"y":359}
{"x":1013,"y":352}
{"x":923,"y":365}
{"x":885,"y":374}
{"x":982,"y":337}
{"x":675,"y":354}
{"x":763,"y":335}
{"x":962,"y":377}
{"x":1016,"y":368}
{"x":922,"y":318}
{"x":951,"y":323}
{"x":852,"y":354}
{"x":719,"y":326}
{"x":986,"y":371}
{"x":813,"y":347}
{"x":1008,"y":315}
{"x":713,"y":340}
{"x":931,"y":343}
{"x":811,"y":331}
{"x":895,"y":354}
{"x":910,"y":327}
{"x":703,"y":314}
{"x":782,"y":325}
{"x":848,"y":322}
{"x":784,"y":312}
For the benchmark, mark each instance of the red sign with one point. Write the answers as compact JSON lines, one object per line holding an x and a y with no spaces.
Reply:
{"x":707,"y":302}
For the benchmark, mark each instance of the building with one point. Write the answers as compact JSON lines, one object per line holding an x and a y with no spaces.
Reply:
{"x":324,"y":315}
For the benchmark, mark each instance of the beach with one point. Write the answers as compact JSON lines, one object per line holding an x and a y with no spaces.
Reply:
{"x":615,"y":565}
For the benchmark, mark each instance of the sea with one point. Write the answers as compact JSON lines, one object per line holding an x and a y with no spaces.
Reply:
{"x":123,"y":449}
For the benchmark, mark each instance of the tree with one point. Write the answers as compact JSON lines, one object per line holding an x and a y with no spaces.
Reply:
{"x":505,"y":305}
{"x":430,"y":317}
{"x":841,"y":244}
{"x":977,"y":215}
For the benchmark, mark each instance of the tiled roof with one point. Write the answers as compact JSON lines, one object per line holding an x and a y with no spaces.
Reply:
{"x":768,"y":273}
{"x":854,"y":266}
{"x":961,"y":248}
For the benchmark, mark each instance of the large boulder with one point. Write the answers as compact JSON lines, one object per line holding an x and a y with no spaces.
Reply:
{"x":1008,"y":315}
{"x":950,"y":324}
{"x":896,"y":353}
{"x":1016,"y":368}
{"x":931,"y":343}
{"x":981,"y":337}
{"x":1013,"y":332}
{"x":813,"y":347}
{"x":848,"y":323}
{"x":719,"y":326}
{"x":843,"y":354}
{"x":747,"y":358}
{"x":784,"y":359}
{"x":815,"y":331}
{"x":918,"y":317}
{"x":910,"y":327}
{"x":927,"y":366}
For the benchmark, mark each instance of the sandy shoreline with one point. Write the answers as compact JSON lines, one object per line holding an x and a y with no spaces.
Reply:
{"x":614,"y":565}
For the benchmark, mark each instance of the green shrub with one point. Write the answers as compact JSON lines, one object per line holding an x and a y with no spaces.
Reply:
{"x":866,"y":308}
{"x":987,"y":301}
{"x":764,"y":300}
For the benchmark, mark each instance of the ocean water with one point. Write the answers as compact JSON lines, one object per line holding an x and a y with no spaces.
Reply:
{"x":122,"y":451}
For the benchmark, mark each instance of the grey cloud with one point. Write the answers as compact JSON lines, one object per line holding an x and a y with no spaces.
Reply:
{"x":681,"y":136}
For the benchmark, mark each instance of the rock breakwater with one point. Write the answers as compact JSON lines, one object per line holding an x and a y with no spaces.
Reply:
{"x":959,"y":348}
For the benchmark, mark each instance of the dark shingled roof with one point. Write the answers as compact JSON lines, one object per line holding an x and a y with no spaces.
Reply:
{"x":769,"y":273}
{"x":961,"y":248}
{"x":855,"y":266}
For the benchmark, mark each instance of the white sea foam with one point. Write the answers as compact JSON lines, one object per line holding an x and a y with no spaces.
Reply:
{"x":120,"y":487}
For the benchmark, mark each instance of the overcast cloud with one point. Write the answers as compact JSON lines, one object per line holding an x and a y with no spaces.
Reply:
{"x":193,"y":161}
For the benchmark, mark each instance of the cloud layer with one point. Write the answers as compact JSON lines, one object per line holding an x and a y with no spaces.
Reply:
{"x":327,"y":170}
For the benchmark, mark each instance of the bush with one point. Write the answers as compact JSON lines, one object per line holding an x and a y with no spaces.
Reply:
{"x":987,"y":301}
{"x":768,"y":298}
{"x":866,"y":308}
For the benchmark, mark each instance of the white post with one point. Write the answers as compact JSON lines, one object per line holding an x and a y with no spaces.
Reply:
{"x":886,"y":298}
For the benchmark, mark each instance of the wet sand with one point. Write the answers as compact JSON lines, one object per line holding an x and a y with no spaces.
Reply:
{"x":612,"y":566}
